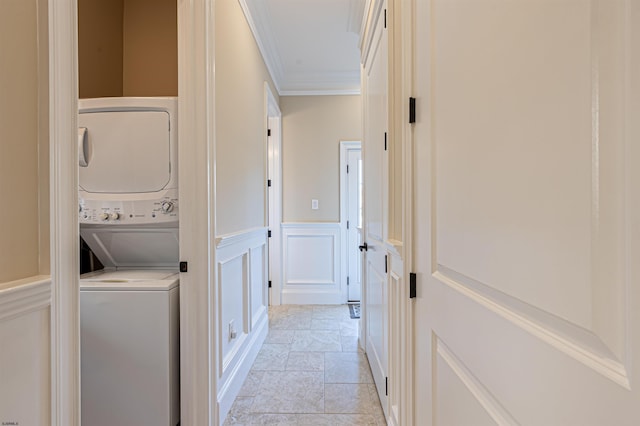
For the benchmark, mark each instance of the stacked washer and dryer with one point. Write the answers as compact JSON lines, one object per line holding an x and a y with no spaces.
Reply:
{"x":128,"y":193}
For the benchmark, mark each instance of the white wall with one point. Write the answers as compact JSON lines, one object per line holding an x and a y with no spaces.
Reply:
{"x":312,"y":128}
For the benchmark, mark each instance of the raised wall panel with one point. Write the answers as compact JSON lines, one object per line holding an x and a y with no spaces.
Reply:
{"x":241,"y":298}
{"x":528,"y":196}
{"x":259,"y":301}
{"x":25,"y":357}
{"x":233,"y":299}
{"x":312,"y":267}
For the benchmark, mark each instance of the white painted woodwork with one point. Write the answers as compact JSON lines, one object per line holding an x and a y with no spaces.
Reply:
{"x":312,"y":264}
{"x":527,"y":212}
{"x":63,"y":152}
{"x":199,"y":311}
{"x":25,"y":357}
{"x":375,"y":110}
{"x":311,"y":47}
{"x":242,"y":300}
{"x":274,"y":193}
{"x":354,"y":230}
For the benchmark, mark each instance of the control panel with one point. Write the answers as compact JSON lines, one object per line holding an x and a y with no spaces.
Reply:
{"x":129,"y":212}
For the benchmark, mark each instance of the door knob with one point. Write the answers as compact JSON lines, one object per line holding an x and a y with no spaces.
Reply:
{"x":364,"y":247}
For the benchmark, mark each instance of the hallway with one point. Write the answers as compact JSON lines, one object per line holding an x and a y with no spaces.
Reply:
{"x":309,"y":371}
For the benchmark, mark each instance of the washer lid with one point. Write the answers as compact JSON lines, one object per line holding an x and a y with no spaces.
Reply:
{"x":124,"y":280}
{"x":133,"y":247}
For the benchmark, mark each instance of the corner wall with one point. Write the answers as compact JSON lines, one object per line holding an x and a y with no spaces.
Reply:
{"x":240,"y":186}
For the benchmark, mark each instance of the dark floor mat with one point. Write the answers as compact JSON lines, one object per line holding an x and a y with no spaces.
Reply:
{"x":354,"y":310}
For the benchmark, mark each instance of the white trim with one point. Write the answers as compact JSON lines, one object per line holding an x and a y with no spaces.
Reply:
{"x":328,"y":92}
{"x":198,"y":287}
{"x":238,"y":237}
{"x":65,"y":311}
{"x":345,"y":147}
{"x":23,"y":296}
{"x":268,"y":52}
{"x":273,"y":117}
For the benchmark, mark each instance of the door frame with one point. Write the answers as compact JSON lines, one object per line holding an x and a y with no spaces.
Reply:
{"x":273,"y":209}
{"x":196,"y":111}
{"x":345,"y":146}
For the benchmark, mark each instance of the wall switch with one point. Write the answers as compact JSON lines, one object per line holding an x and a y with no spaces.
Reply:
{"x":314,"y":204}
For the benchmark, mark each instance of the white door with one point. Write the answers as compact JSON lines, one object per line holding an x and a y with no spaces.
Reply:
{"x":527,"y":211}
{"x":375,"y":177}
{"x":354,"y":223}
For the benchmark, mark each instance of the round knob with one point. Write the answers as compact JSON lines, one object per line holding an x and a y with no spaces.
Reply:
{"x":104,"y":216}
{"x":114,"y":216}
{"x":167,"y":206}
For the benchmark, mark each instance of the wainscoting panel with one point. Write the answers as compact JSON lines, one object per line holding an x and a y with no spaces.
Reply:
{"x":312,"y":264}
{"x":242,"y":309}
{"x":25,"y":357}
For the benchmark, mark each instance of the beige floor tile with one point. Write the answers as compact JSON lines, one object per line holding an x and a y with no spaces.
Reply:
{"x":305,"y":361}
{"x":280,"y":336}
{"x":251,"y":384}
{"x":290,"y":392}
{"x":240,"y":412}
{"x":292,"y":321}
{"x":349,"y":399}
{"x":331,"y":312}
{"x":349,"y":328}
{"x":346,"y":367}
{"x":272,"y":356}
{"x":317,"y":340}
{"x":324,"y":324}
{"x":339,"y":420}
{"x":350,"y":344}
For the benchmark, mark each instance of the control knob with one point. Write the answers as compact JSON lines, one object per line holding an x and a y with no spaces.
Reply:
{"x":167,"y":206}
{"x":104,"y":216}
{"x":114,"y":216}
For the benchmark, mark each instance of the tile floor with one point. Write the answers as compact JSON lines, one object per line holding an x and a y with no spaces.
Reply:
{"x":309,"y":372}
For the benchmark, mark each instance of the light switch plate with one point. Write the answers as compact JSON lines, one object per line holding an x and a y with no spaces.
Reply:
{"x":314,"y":204}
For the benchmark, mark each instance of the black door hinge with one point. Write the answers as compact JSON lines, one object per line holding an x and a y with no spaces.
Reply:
{"x":386,"y":386}
{"x":347,"y":280}
{"x":412,"y":110}
{"x":268,"y":182}
{"x":269,"y":283}
{"x":184,"y":266}
{"x":386,"y":262}
{"x":385,"y":141}
{"x":269,"y":233}
{"x":347,"y":224}
{"x":347,"y":168}
{"x":385,"y":18}
{"x":268,"y":132}
{"x":412,"y":285}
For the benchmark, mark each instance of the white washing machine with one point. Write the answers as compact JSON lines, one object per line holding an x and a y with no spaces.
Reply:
{"x":130,"y":348}
{"x":129,"y":312}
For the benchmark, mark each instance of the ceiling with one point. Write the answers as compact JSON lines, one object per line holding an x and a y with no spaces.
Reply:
{"x":309,"y":46}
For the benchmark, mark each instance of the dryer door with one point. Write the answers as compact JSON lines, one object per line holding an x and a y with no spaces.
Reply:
{"x":127,"y":151}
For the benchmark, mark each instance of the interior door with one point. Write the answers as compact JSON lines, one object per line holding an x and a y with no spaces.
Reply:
{"x":527,"y":212}
{"x":354,"y":228}
{"x":375,"y":171}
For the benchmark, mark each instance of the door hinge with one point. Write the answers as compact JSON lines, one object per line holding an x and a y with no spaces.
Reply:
{"x":347,"y":224}
{"x":347,"y":280}
{"x":385,"y":141}
{"x":386,"y":262}
{"x":412,"y":285}
{"x":184,"y":266}
{"x":269,"y":233}
{"x":386,"y":386}
{"x":385,"y":18}
{"x":268,"y":132}
{"x":347,"y":168}
{"x":269,"y":283}
{"x":412,"y":110}
{"x":268,"y":182}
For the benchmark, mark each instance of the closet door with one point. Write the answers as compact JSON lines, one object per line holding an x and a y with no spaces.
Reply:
{"x":527,"y":212}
